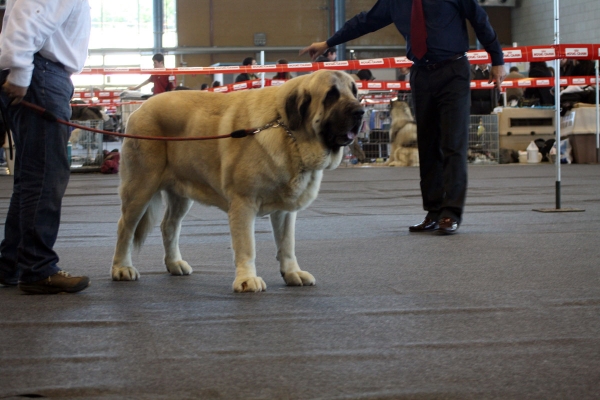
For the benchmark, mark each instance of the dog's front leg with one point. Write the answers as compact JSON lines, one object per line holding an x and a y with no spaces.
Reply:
{"x":241,"y":224}
{"x":284,"y":231}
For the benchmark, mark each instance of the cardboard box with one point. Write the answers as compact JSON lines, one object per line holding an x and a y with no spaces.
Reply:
{"x":583,"y":148}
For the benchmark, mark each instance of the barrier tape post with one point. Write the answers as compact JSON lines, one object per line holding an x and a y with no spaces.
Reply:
{"x":557,"y":100}
{"x":597,"y":113}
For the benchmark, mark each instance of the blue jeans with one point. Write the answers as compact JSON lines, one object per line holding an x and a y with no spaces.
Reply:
{"x":41,"y":175}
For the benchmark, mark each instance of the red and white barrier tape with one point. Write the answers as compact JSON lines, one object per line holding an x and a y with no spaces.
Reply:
{"x":511,"y":54}
{"x":94,"y":99}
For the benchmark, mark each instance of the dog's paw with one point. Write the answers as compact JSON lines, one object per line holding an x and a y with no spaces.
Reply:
{"x":299,"y":278}
{"x":252,"y":284}
{"x":179,"y":268}
{"x":125,"y":274}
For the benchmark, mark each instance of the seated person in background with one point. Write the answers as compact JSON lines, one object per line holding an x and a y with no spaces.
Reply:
{"x":216,"y":84}
{"x":365,"y":75}
{"x":483,"y":101}
{"x":204,"y":86}
{"x":573,"y":94}
{"x":329,"y":55}
{"x":515,"y":93}
{"x":110,"y":165}
{"x":162,"y":83}
{"x":404,"y":76}
{"x":247,"y":76}
{"x":543,"y":94}
{"x":282,"y":75}
{"x":584,"y":68}
{"x":566,"y":67}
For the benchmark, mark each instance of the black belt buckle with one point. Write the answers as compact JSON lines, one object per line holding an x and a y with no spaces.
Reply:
{"x":432,"y":67}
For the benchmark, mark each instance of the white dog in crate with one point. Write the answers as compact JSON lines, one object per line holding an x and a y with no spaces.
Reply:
{"x":403,"y":136}
{"x":75,"y":135}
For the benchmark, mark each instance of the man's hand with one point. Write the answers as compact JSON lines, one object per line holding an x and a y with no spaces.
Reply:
{"x":315,"y":49}
{"x":14,"y":92}
{"x":497,"y":76}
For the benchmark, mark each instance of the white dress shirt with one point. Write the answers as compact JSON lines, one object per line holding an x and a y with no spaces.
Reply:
{"x":58,"y":29}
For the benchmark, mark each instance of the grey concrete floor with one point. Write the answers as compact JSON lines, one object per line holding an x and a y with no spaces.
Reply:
{"x":508,"y":308}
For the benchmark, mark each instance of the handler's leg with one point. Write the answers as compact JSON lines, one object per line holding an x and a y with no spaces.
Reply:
{"x":453,"y":103}
{"x":428,"y":140}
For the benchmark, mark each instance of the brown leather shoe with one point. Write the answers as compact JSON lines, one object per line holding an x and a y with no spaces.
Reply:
{"x":61,"y":282}
{"x":427,"y":225}
{"x":447,"y":225}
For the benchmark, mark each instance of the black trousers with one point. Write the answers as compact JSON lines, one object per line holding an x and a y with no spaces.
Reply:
{"x":441,"y":100}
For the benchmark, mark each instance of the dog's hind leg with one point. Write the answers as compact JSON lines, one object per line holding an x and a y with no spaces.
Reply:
{"x":139,"y":205}
{"x":284,"y":228}
{"x":177,"y":208}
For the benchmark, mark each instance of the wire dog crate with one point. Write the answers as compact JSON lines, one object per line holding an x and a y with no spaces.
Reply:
{"x":375,"y":141}
{"x":86,"y":147}
{"x":484,"y":147}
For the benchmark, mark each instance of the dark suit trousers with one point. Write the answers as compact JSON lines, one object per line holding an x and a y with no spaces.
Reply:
{"x":441,"y":100}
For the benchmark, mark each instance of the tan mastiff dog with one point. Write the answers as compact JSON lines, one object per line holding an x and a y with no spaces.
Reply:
{"x":274,"y":172}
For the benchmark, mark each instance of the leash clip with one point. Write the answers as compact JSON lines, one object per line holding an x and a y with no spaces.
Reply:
{"x":267,"y":126}
{"x":275,"y":124}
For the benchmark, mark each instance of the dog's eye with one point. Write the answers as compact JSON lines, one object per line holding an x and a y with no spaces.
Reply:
{"x":354,"y":90}
{"x":332,"y":96}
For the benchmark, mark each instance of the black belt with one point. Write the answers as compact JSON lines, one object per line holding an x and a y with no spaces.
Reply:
{"x":431,"y":67}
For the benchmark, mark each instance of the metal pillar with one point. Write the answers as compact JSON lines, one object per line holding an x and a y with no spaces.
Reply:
{"x":340,"y":19}
{"x":557,"y":99}
{"x":158,"y":21}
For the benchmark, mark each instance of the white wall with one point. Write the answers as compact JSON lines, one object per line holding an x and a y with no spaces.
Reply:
{"x":533,"y":22}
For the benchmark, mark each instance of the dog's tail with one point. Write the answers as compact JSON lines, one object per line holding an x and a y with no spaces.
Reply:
{"x":148,"y":221}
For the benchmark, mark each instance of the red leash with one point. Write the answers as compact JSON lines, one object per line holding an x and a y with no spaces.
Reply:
{"x":51,"y":117}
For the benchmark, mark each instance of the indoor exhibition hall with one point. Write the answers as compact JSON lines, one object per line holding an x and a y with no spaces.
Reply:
{"x":326,"y":199}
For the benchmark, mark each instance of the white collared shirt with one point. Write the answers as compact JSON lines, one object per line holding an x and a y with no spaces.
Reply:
{"x":58,"y":29}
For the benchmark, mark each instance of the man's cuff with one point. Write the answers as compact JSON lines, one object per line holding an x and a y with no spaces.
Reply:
{"x":20,"y":76}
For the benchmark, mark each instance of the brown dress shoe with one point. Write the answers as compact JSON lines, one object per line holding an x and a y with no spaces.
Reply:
{"x":427,"y":225}
{"x":447,"y":225}
{"x":61,"y":282}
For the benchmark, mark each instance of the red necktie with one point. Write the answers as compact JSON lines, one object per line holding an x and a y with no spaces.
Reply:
{"x":418,"y":31}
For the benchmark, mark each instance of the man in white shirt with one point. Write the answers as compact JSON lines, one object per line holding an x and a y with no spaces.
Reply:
{"x":41,"y":44}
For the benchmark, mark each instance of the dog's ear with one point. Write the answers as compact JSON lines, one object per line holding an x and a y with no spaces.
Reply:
{"x":296,"y":108}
